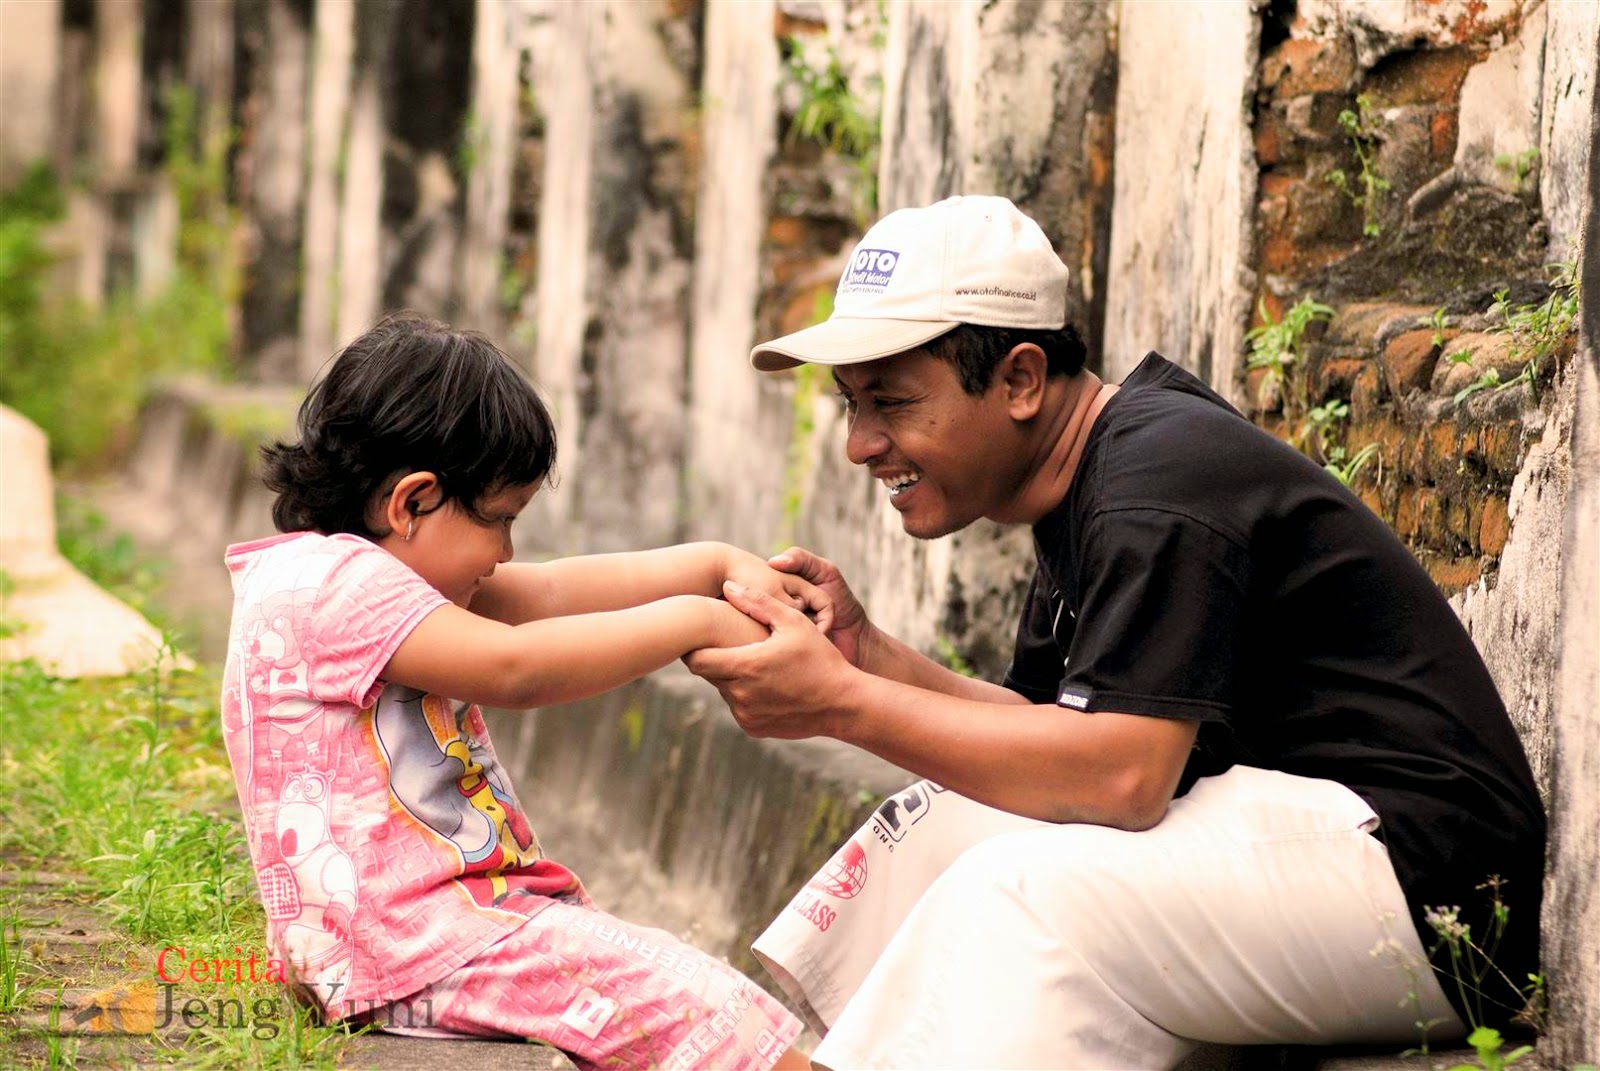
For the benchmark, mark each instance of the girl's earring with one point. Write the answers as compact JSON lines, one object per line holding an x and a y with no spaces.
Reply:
{"x":411,"y":526}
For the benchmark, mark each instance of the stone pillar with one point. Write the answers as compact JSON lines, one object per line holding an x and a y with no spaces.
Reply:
{"x":614,"y":272}
{"x":333,"y":48}
{"x":30,"y":66}
{"x":739,"y":425}
{"x":118,"y":33}
{"x":273,"y":158}
{"x":208,"y":66}
{"x":1571,"y":910}
{"x":1568,"y":89}
{"x":491,"y":146}
{"x":360,"y":256}
{"x":1181,"y":245}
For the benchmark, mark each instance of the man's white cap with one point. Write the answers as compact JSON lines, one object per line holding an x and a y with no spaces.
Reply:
{"x":922,"y":272}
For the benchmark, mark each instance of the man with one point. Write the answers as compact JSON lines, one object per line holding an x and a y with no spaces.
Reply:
{"x":1243,"y":746}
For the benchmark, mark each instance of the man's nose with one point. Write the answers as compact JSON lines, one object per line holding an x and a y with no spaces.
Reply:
{"x":864,"y":441}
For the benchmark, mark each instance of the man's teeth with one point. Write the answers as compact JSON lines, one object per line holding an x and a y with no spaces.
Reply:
{"x":898,"y":484}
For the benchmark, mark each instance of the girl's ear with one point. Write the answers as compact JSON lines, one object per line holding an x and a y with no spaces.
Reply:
{"x":1022,"y":372}
{"x":417,"y":493}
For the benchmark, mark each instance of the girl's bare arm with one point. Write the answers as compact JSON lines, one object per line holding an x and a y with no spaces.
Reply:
{"x":460,"y":654}
{"x":520,"y":592}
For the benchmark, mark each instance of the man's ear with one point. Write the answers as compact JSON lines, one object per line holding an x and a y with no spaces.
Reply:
{"x":417,"y":493}
{"x":1022,"y":374}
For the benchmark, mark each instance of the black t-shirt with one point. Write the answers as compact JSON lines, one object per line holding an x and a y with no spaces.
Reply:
{"x":1200,"y":568}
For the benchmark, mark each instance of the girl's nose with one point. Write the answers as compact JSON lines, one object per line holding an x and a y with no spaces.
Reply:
{"x":506,"y":551}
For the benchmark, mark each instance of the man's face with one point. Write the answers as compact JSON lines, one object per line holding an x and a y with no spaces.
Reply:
{"x":945,"y":457}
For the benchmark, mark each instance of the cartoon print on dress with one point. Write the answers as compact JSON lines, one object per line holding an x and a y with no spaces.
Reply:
{"x":313,"y":892}
{"x":276,"y":686}
{"x":445,"y":777}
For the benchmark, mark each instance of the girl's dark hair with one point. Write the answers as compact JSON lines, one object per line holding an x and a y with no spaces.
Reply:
{"x":410,"y":395}
{"x":976,"y":351}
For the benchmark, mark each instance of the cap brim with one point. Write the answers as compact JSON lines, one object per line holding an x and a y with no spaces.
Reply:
{"x":846,"y":340}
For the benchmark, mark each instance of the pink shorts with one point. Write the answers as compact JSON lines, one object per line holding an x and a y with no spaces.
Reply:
{"x":607,"y":993}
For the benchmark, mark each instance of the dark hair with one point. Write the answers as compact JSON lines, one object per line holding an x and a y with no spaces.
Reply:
{"x":976,"y":351}
{"x":410,"y":395}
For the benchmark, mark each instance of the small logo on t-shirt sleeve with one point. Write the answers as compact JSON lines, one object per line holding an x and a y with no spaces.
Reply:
{"x":1075,"y":696}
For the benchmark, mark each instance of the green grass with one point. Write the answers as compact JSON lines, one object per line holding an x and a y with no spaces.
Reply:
{"x":127,"y":781}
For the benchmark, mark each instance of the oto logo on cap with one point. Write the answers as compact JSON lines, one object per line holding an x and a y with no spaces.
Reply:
{"x":869,"y":270}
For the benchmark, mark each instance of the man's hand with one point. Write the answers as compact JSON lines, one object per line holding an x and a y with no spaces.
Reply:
{"x":731,"y":628}
{"x":786,"y":586}
{"x":780,"y":687}
{"x":848,"y":630}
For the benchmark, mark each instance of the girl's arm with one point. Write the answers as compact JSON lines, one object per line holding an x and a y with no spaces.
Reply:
{"x":457,"y":653}
{"x":520,"y":592}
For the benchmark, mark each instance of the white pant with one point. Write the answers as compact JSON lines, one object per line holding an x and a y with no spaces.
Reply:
{"x":1260,"y":910}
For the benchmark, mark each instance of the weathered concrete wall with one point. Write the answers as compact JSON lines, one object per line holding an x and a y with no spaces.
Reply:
{"x":1572,"y":912}
{"x":1181,"y":243}
{"x":273,"y":161}
{"x":490,"y":143}
{"x":730,"y":460}
{"x":1567,"y":89}
{"x":360,"y":255}
{"x":333,"y":46}
{"x":614,"y":271}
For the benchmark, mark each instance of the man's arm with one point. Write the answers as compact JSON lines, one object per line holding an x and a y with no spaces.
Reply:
{"x":520,"y":592}
{"x":866,"y":647}
{"x":1043,"y":762}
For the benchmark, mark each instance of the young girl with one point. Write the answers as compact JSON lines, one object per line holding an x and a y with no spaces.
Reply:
{"x":402,"y":881}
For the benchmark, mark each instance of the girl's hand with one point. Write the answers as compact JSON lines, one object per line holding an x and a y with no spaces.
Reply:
{"x":729,"y":627}
{"x":791,"y":589}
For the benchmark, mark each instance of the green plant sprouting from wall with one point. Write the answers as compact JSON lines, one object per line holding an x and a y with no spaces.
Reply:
{"x":1472,"y":969}
{"x":1275,"y":347}
{"x":1520,"y":165}
{"x":1537,"y":329}
{"x":1315,"y":430}
{"x":80,"y":372}
{"x":1361,"y":128}
{"x":809,"y":380}
{"x":831,"y":115}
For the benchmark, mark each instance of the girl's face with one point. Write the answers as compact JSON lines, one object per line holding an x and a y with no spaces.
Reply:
{"x":455,"y":550}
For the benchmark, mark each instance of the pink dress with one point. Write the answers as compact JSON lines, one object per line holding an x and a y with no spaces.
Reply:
{"x":402,"y":880}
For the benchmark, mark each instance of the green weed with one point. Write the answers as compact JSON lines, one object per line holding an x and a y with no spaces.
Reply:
{"x":831,"y":115}
{"x":13,"y":992}
{"x":1472,"y":969}
{"x":808,"y":380}
{"x":1519,"y":164}
{"x":1361,"y":128}
{"x":1537,"y":330}
{"x":1275,"y":346}
{"x":1440,"y":323}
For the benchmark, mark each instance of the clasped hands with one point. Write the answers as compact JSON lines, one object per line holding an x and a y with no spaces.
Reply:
{"x":784,"y":684}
